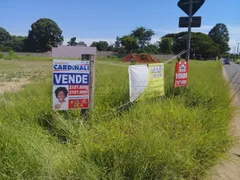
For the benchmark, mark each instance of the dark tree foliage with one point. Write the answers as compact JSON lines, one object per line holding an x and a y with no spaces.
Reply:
{"x":72,"y":42}
{"x":202,"y":45}
{"x":151,"y":48}
{"x":18,"y":43}
{"x":220,"y":36}
{"x":165,"y":45}
{"x":129,"y":43}
{"x":44,"y":35}
{"x":81,"y":43}
{"x":5,"y":40}
{"x":143,"y":36}
{"x":137,"y":41}
{"x":101,"y":45}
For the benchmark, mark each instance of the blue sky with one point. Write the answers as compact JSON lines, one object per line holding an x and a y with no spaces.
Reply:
{"x":91,"y":20}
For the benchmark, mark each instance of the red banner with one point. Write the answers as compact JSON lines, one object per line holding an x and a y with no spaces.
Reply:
{"x":181,"y":74}
{"x":78,"y":103}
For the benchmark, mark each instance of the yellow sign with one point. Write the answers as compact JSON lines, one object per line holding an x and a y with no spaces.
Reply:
{"x":155,"y":85}
{"x":156,"y":79}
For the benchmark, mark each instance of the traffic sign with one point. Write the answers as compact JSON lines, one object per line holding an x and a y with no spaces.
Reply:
{"x":184,"y":5}
{"x":184,"y":22}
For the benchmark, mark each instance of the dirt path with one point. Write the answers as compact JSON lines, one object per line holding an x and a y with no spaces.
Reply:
{"x":12,"y":86}
{"x":229,"y":169}
{"x":14,"y":74}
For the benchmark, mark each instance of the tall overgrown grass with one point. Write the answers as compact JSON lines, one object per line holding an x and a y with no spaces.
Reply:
{"x":176,"y":137}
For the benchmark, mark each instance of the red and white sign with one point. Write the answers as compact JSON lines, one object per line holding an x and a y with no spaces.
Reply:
{"x":181,"y":74}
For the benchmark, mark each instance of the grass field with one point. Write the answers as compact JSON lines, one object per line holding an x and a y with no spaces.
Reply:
{"x":177,"y":137}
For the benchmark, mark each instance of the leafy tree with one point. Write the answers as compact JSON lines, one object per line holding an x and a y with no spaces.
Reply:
{"x":5,"y":40}
{"x":118,"y":46}
{"x":18,"y":43}
{"x":44,"y":35}
{"x":94,"y":44}
{"x":151,"y":48}
{"x":81,"y":43}
{"x":72,"y":42}
{"x":172,"y":35}
{"x":165,"y":45}
{"x":118,"y":42}
{"x":142,"y":35}
{"x":201,"y":44}
{"x":110,"y":48}
{"x":175,"y":36}
{"x":220,"y":35}
{"x":129,"y":43}
{"x":101,"y":45}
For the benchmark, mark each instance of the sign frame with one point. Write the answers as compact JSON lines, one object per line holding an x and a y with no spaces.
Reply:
{"x":184,"y":22}
{"x":76,"y":80}
{"x":196,"y":5}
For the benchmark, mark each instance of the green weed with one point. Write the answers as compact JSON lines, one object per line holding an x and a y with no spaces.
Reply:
{"x":176,"y":137}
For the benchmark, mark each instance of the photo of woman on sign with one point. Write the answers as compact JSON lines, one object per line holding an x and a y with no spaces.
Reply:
{"x":60,"y":100}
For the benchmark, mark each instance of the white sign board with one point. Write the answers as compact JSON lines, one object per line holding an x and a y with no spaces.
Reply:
{"x":146,"y":81}
{"x":138,"y":80}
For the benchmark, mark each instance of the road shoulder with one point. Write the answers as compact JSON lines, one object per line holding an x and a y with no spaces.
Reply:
{"x":229,"y":169}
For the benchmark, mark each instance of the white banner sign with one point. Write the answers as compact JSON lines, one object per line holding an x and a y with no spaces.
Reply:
{"x":146,"y":80}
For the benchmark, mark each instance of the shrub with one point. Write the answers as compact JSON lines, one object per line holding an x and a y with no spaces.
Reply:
{"x":1,"y":56}
{"x":11,"y":53}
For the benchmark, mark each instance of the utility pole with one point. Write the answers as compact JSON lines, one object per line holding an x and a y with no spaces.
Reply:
{"x":189,"y":30}
{"x":234,"y":50}
{"x":238,"y":48}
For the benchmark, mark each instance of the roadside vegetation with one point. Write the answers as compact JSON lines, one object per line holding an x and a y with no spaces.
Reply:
{"x":179,"y":136}
{"x":237,"y":61}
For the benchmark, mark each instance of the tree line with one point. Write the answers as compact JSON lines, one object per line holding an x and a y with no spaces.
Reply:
{"x":45,"y":34}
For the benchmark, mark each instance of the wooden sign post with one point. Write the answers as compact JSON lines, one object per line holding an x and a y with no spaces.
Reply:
{"x":91,"y":58}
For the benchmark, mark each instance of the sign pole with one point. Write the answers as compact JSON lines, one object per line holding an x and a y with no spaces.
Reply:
{"x":92,"y":81}
{"x":189,"y":30}
{"x":238,"y":49}
{"x":90,"y":58}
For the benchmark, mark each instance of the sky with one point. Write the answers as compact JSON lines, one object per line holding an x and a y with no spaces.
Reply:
{"x":94,"y":20}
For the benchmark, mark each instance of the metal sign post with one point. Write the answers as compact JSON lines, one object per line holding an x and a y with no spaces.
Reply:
{"x":190,"y":7}
{"x":189,"y":31}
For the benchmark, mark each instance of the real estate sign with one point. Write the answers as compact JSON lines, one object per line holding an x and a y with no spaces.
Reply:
{"x":146,"y":81}
{"x":71,"y":81}
{"x":181,"y":74}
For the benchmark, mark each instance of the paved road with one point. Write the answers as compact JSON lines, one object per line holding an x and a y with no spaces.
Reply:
{"x":233,"y":72}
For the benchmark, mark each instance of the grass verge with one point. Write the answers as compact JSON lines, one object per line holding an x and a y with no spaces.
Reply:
{"x":177,"y":137}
